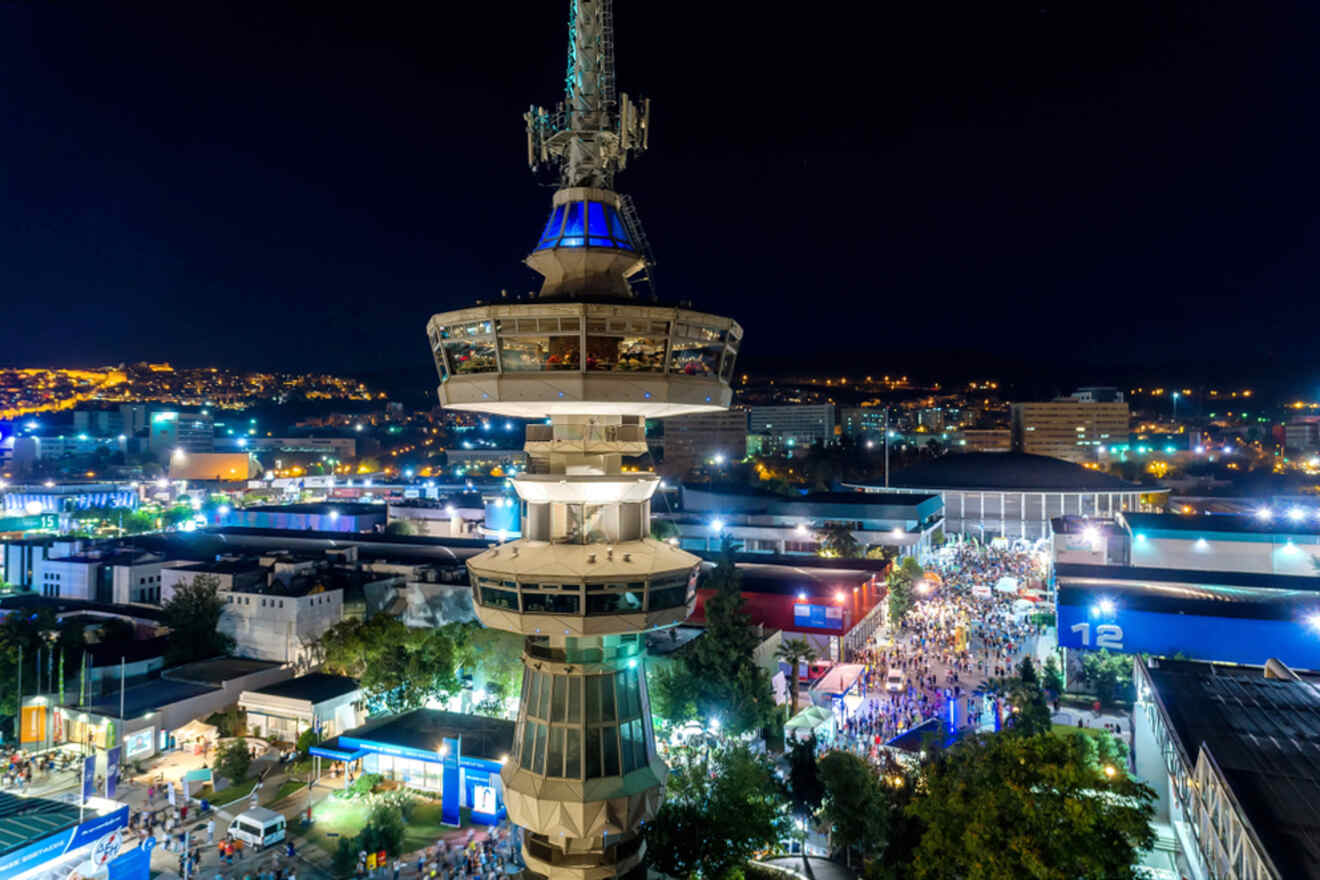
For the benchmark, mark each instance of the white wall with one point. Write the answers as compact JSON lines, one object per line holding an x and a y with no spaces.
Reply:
{"x":280,"y":628}
{"x":1219,"y":555}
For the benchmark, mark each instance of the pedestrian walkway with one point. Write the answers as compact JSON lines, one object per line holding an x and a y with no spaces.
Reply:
{"x":814,"y":867}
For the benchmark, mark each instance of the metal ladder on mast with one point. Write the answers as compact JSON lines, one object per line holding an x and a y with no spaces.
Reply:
{"x":633,"y":221}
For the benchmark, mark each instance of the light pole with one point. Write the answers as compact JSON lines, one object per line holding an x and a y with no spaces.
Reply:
{"x":1175,"y":408}
{"x":886,"y":447}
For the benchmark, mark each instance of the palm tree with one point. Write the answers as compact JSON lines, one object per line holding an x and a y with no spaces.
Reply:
{"x":794,"y":652}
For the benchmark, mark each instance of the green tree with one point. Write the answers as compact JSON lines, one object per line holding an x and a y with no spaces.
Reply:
{"x":345,"y":858}
{"x":193,"y":616}
{"x":1052,"y":676}
{"x":233,"y":761}
{"x":794,"y":652}
{"x":21,"y":634}
{"x":837,"y":541}
{"x":306,"y":740}
{"x":400,"y":527}
{"x":1000,"y":807}
{"x":1110,"y":675}
{"x":673,"y":691}
{"x":663,"y":529}
{"x":720,"y":808}
{"x":384,"y":830}
{"x":902,"y":581}
{"x":855,"y":804}
{"x":805,"y":789}
{"x":726,"y":682}
{"x":1031,"y":714}
{"x":398,"y":668}
{"x":493,"y":657}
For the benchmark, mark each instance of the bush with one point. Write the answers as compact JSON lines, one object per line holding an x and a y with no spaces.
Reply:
{"x":345,"y":857}
{"x":384,"y":830}
{"x":306,"y":740}
{"x":233,"y":761}
{"x":363,"y":785}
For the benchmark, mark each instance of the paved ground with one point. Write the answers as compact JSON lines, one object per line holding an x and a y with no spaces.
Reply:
{"x":815,"y":867}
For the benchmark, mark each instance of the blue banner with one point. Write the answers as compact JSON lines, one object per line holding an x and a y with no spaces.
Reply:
{"x":112,"y":771}
{"x":61,"y":842}
{"x":1198,"y":637}
{"x":89,"y":777}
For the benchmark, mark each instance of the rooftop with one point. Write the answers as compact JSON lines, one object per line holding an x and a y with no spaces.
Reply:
{"x":1010,"y":472}
{"x":315,"y":687}
{"x":24,"y":820}
{"x":424,"y":729}
{"x":1184,"y":576}
{"x":789,"y":580}
{"x":1236,"y":523}
{"x":149,"y":697}
{"x":218,"y":670}
{"x":1264,"y":734}
{"x":346,"y":508}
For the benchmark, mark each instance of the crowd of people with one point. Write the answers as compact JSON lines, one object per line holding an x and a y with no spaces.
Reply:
{"x":960,"y":633}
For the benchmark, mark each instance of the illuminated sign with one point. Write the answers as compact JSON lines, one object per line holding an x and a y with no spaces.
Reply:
{"x":817,"y":616}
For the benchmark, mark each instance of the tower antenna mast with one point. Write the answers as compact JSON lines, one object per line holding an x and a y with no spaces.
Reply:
{"x":591,"y":134}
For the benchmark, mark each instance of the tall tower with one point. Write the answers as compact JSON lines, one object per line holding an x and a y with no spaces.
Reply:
{"x":586,"y":581}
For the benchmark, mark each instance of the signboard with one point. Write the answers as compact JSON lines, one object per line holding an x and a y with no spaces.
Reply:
{"x":817,"y":616}
{"x":112,"y":771}
{"x":89,"y":777}
{"x":47,"y":849}
{"x":1198,"y":637}
{"x":34,"y":724}
{"x":138,"y":743}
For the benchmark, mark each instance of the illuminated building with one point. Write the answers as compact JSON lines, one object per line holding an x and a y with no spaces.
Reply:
{"x":585,"y":580}
{"x":1071,"y":428}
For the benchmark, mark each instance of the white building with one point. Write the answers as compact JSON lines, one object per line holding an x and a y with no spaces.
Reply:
{"x":118,"y":576}
{"x":267,"y":626}
{"x":329,"y":704}
{"x":792,"y":427}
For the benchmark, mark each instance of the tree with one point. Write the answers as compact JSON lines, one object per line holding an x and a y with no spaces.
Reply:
{"x":1110,"y":675}
{"x":837,"y":541}
{"x":306,"y":740}
{"x":193,"y":616}
{"x":398,"y":668}
{"x":1031,"y":714}
{"x":902,"y":581}
{"x":384,"y":830}
{"x":1052,"y":675}
{"x":720,"y":808}
{"x":1000,"y":807}
{"x":400,"y":527}
{"x":855,"y":803}
{"x":805,"y":789}
{"x":663,"y":529}
{"x":493,"y":657}
{"x":726,"y":682}
{"x":233,"y":761}
{"x":794,"y":652}
{"x":673,"y":691}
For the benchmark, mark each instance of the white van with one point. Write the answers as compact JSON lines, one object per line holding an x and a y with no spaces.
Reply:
{"x":895,"y":680}
{"x":258,"y":827}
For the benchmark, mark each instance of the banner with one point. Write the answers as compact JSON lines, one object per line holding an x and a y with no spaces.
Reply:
{"x":22,"y":860}
{"x":112,"y":771}
{"x":89,"y":777}
{"x":34,"y":725}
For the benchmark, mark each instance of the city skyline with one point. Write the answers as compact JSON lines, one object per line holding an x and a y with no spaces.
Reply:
{"x":303,"y":187}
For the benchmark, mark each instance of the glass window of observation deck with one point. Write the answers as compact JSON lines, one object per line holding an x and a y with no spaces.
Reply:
{"x":550,"y":603}
{"x":695,"y":358}
{"x":471,"y":355}
{"x":629,"y":354}
{"x":533,"y":354}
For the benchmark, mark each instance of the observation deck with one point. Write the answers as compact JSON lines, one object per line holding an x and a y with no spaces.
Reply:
{"x":541,"y":358}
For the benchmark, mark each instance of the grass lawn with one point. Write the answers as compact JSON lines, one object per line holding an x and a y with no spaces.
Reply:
{"x":230,"y":794}
{"x":335,"y":817}
{"x":1066,"y":729}
{"x":287,"y":787}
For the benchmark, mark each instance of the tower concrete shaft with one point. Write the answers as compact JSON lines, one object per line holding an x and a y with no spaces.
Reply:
{"x":584,"y":585}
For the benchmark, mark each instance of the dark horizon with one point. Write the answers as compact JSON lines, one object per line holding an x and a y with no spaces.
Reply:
{"x":1097,"y":193}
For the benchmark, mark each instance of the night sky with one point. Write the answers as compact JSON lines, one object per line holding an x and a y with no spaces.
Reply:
{"x":1093,"y":187}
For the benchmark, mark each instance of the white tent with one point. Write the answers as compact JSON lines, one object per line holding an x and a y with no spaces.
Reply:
{"x":1007,"y":585}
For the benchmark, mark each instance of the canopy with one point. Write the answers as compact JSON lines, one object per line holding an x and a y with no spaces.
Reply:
{"x":1007,"y":585}
{"x":197,"y":730}
{"x":812,"y":720}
